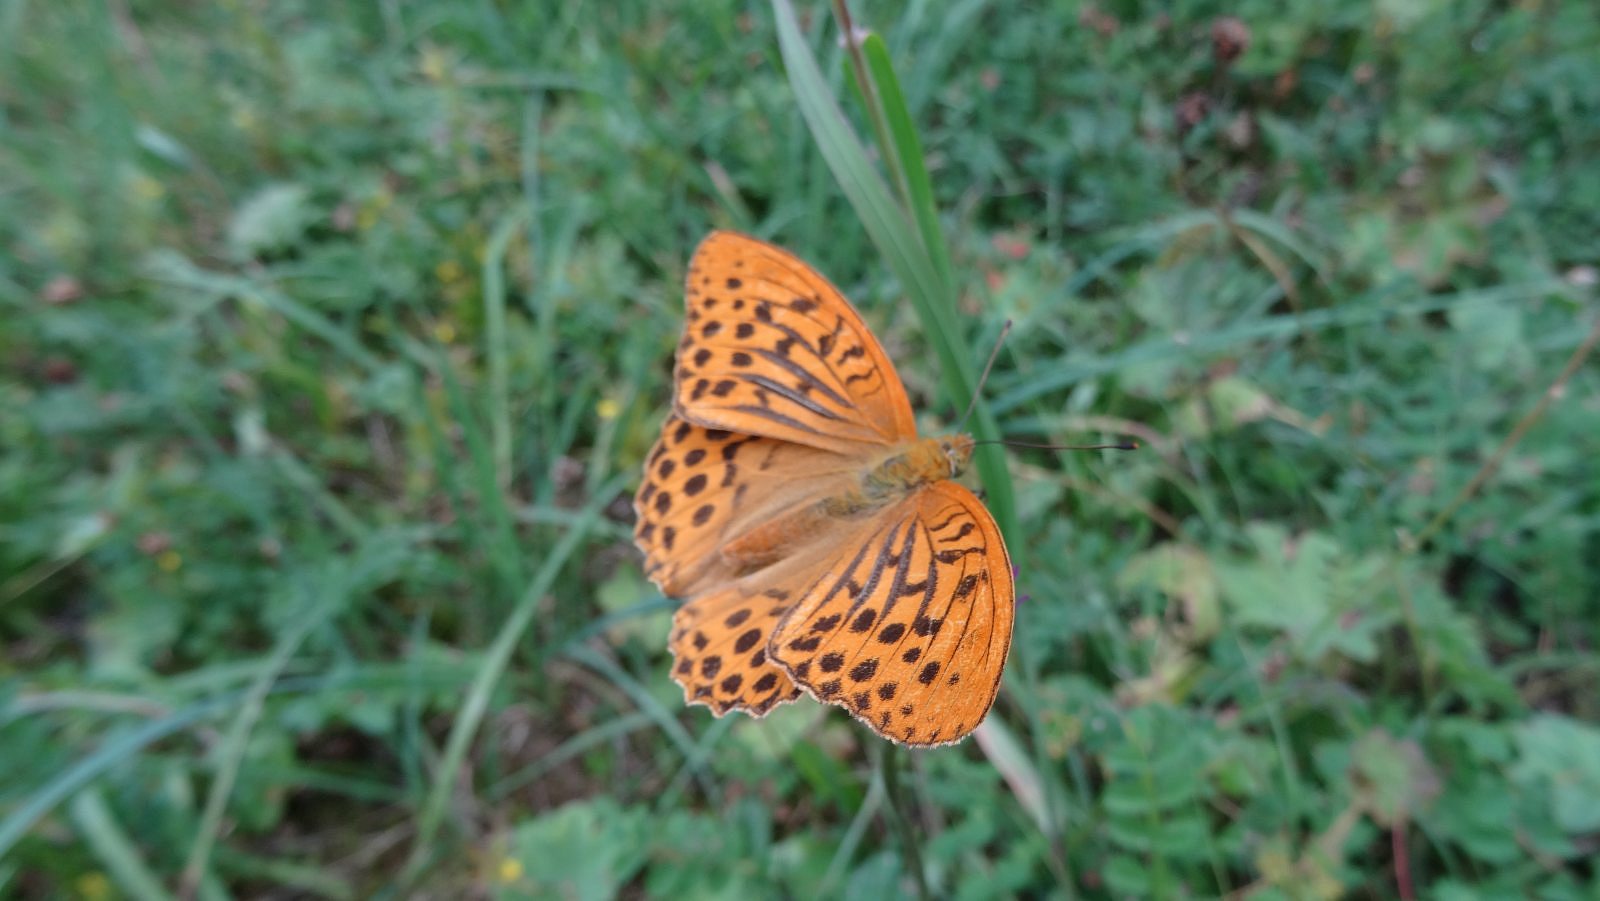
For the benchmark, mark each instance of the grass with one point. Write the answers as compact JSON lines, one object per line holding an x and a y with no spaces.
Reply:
{"x":331,"y":341}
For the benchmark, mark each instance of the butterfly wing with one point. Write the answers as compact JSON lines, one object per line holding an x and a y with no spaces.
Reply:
{"x":719,"y":651}
{"x":720,"y":640}
{"x":705,"y":489}
{"x":896,"y":621}
{"x":771,"y":348}
{"x":782,"y":398}
{"x":727,"y":521}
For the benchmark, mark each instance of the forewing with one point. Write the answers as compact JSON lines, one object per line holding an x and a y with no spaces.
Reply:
{"x":771,"y":348}
{"x":908,"y":629}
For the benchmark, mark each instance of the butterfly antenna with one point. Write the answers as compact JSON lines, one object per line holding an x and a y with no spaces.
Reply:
{"x":978,"y":391}
{"x":1124,"y":446}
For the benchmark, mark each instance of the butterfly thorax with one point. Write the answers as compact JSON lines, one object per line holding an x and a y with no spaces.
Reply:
{"x":906,"y":469}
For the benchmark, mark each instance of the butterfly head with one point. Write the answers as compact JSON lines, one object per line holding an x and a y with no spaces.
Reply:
{"x":957,"y":451}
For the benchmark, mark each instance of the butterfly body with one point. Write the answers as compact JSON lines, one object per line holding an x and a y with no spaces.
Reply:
{"x":822,"y":545}
{"x":904,"y":471}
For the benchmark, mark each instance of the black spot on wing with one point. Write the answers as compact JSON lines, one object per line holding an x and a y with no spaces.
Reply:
{"x":964,"y":531}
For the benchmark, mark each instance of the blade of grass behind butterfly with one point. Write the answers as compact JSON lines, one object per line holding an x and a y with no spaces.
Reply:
{"x":918,"y":197}
{"x":911,"y":243}
{"x":862,"y":185}
{"x":893,"y":230}
{"x":907,"y":148}
{"x":905,"y":157}
{"x":1023,"y":775}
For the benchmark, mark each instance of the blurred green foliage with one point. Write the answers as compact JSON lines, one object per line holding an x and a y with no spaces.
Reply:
{"x":332,"y":336}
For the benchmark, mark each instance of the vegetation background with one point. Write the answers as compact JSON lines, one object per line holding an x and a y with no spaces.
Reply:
{"x":332,"y":337}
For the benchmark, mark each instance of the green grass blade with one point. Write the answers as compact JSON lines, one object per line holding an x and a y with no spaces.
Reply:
{"x":173,"y":271}
{"x":495,"y":339}
{"x":1003,"y":749}
{"x":231,"y":752}
{"x":126,"y":744}
{"x":908,"y":150}
{"x":117,"y":749}
{"x":476,"y":703}
{"x":898,"y":238}
{"x":586,"y":740}
{"x":116,"y":850}
{"x":659,"y":714}
{"x":296,"y":878}
{"x":886,"y":223}
{"x":1355,"y":313}
{"x":492,"y":501}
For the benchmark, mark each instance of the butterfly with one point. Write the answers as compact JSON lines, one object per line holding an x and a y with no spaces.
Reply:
{"x":821,"y":544}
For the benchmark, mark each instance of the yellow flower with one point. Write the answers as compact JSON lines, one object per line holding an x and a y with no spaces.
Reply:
{"x":448,"y":271}
{"x":510,"y":869}
{"x":433,"y":63}
{"x":146,"y":188}
{"x":169,"y":561}
{"x":93,"y":886}
{"x":607,"y":408}
{"x":372,"y":208}
{"x":444,"y":332}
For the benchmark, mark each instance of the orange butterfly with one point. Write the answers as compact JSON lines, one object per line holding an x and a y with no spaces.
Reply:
{"x":820,"y":542}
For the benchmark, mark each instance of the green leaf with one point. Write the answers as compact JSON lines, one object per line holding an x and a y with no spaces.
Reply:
{"x":1182,"y":573}
{"x":1305,"y":587}
{"x":1128,"y":877}
{"x":1392,"y":777}
{"x":584,"y":850}
{"x":623,"y":591}
{"x":1559,"y":759}
{"x":1447,"y":637}
{"x":272,"y":219}
{"x":1478,"y":811}
{"x":1154,"y":788}
{"x":1493,"y":335}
